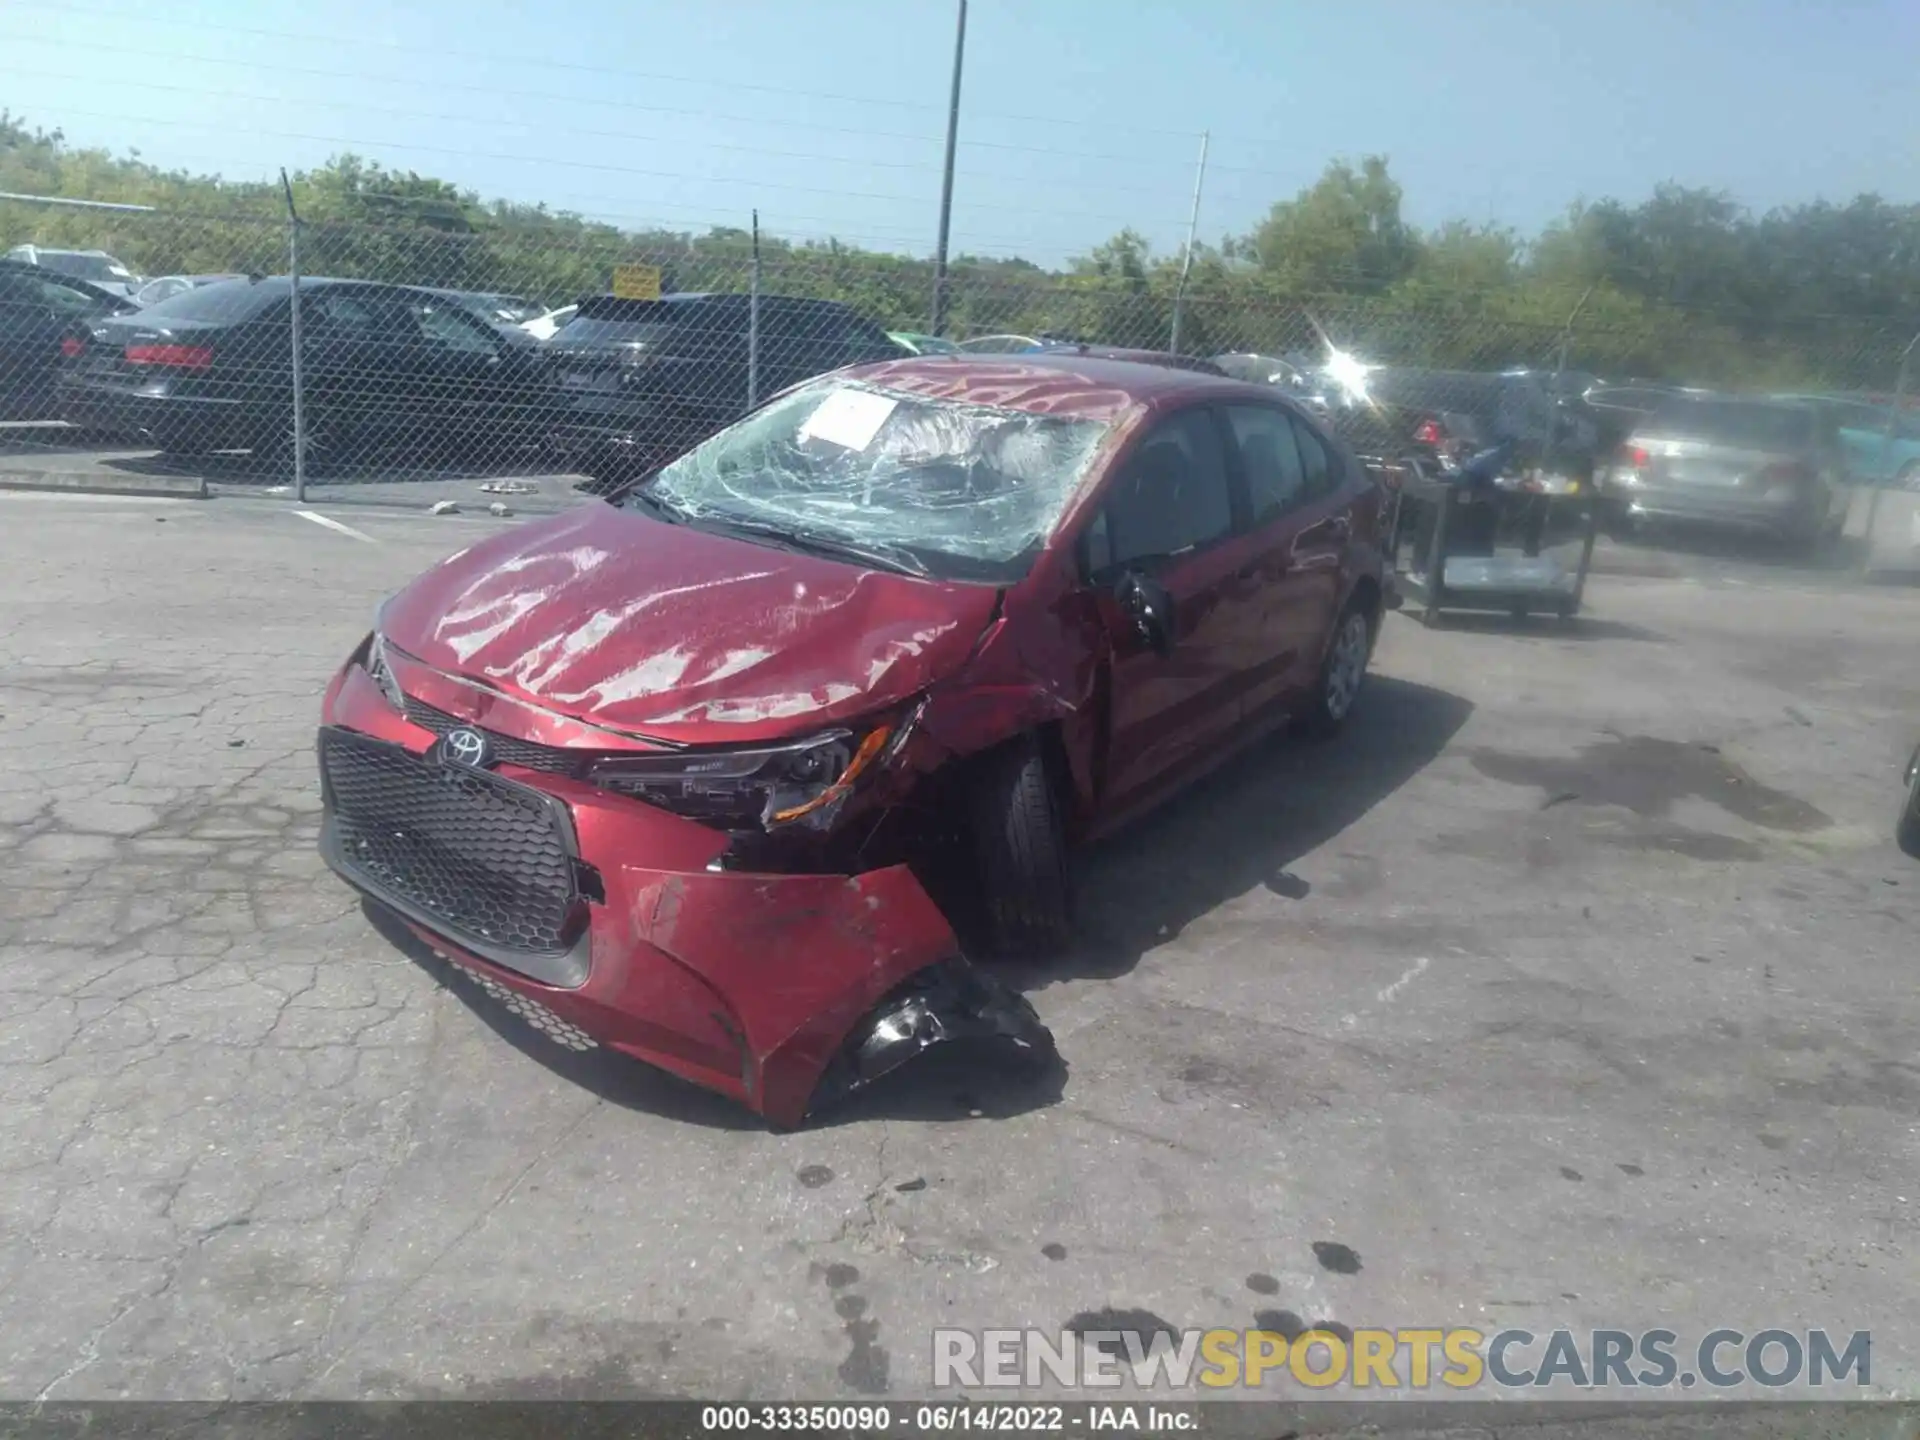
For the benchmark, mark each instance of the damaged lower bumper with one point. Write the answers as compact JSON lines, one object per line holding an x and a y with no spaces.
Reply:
{"x":604,"y":920}
{"x":950,"y":1002}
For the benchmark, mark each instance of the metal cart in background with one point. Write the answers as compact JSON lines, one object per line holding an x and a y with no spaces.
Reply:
{"x":1453,"y":545}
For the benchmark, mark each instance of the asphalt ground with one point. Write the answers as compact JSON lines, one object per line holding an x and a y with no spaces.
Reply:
{"x":1571,"y":987}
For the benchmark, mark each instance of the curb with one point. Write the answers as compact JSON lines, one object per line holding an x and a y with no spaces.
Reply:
{"x":91,"y":482}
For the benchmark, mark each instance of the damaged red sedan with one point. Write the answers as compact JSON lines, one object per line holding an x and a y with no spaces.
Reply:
{"x":686,"y":770}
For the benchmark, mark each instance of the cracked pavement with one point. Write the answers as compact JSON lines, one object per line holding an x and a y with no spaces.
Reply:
{"x":1573,"y":986}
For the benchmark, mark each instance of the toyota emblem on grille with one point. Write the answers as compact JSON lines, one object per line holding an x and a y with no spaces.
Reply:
{"x":467,"y":748}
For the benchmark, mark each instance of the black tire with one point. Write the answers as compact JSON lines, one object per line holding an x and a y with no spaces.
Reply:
{"x":1020,"y":849}
{"x":1907,"y":832}
{"x":1337,"y":689}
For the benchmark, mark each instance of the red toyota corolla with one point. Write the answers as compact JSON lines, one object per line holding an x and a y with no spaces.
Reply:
{"x":678,"y":769}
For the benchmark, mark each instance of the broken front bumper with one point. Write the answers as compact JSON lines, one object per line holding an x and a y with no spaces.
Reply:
{"x":785,"y":991}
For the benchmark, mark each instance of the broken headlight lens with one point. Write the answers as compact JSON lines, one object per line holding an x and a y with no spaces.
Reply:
{"x":804,"y":782}
{"x":381,"y":673}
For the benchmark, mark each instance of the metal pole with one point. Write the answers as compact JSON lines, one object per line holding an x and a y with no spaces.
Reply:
{"x":1186,"y":264}
{"x":938,"y":318}
{"x":753,"y":320}
{"x":1886,"y":453}
{"x":293,"y":286}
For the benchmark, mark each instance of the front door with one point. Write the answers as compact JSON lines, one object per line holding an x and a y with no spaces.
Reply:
{"x":1170,"y":514}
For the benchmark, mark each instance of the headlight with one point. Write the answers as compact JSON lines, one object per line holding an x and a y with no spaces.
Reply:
{"x":805,"y":782}
{"x":382,"y":674}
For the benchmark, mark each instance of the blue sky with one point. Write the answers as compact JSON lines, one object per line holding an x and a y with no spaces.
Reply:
{"x":1078,"y":117}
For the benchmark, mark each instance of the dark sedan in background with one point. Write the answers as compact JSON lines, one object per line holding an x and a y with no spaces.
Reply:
{"x":645,"y":379}
{"x":494,"y":307}
{"x":44,"y":317}
{"x":165,"y":287}
{"x":211,"y":369}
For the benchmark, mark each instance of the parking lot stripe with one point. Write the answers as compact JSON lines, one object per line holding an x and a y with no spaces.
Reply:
{"x":332,"y":524}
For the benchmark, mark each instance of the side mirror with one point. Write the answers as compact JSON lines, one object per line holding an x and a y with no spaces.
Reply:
{"x":1147,"y":604}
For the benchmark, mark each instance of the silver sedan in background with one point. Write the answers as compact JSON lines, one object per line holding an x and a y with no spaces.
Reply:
{"x":1768,"y":467}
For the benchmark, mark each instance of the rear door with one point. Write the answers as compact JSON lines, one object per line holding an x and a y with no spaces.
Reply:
{"x":1172,"y":512}
{"x":472,"y":382}
{"x":1297,"y":539}
{"x":361,"y":356}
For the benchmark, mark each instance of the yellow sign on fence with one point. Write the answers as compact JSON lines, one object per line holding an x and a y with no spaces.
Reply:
{"x":636,"y":282}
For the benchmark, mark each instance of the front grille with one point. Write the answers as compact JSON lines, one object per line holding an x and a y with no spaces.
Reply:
{"x":488,"y":861}
{"x":528,"y":754}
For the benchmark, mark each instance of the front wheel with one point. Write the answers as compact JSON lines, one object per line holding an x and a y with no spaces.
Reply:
{"x":1341,"y":674}
{"x":1020,"y":849}
{"x":1908,"y":830}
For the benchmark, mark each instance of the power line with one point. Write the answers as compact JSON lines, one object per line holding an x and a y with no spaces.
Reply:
{"x":495,"y":92}
{"x":550,"y":161}
{"x":886,"y":239}
{"x":522,"y":61}
{"x":565,"y":130}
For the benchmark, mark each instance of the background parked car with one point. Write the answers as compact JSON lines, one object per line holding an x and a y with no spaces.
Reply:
{"x":545,"y":327}
{"x":915,"y":343}
{"x":1454,"y":413}
{"x":492,"y":307}
{"x":1733,"y":462}
{"x":1262,"y":370}
{"x":1138,"y":357}
{"x":43,"y":315}
{"x":1873,"y":457}
{"x":1001,"y":344}
{"x":211,"y":369}
{"x":96,"y":267}
{"x":645,"y":379}
{"x":156,"y":290}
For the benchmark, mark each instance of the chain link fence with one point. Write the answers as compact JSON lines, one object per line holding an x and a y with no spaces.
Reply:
{"x":436,"y":350}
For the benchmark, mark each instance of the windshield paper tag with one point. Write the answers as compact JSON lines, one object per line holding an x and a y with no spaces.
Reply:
{"x":848,"y":418}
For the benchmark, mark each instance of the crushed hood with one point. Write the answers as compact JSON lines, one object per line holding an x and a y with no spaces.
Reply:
{"x":667,"y":631}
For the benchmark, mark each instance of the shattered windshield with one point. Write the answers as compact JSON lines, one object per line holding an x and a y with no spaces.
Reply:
{"x":958,"y":490}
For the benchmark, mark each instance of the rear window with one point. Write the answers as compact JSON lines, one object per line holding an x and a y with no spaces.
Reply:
{"x":1736,"y":422}
{"x":226,"y":302}
{"x":100,"y":269}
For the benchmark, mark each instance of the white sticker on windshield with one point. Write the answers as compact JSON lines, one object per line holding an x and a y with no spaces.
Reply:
{"x":849,"y":418}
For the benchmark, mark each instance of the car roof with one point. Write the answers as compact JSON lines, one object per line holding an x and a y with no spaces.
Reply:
{"x":721,"y":297}
{"x":1090,"y":387}
{"x":39,"y":272}
{"x":60,"y":250}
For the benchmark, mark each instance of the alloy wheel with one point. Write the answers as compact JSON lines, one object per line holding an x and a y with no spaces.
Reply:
{"x":1347,"y":665}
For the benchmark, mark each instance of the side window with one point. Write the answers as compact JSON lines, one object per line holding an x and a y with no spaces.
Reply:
{"x":1322,"y":470}
{"x":345,"y":314}
{"x":445,"y":326}
{"x":1276,"y":478}
{"x":1173,"y":497}
{"x":46,"y":295}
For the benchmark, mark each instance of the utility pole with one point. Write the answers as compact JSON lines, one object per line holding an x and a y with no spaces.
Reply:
{"x":1186,"y":263}
{"x":938,"y":317}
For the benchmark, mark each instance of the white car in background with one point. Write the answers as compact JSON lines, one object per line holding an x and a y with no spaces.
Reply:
{"x":545,"y":327}
{"x":96,"y":267}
